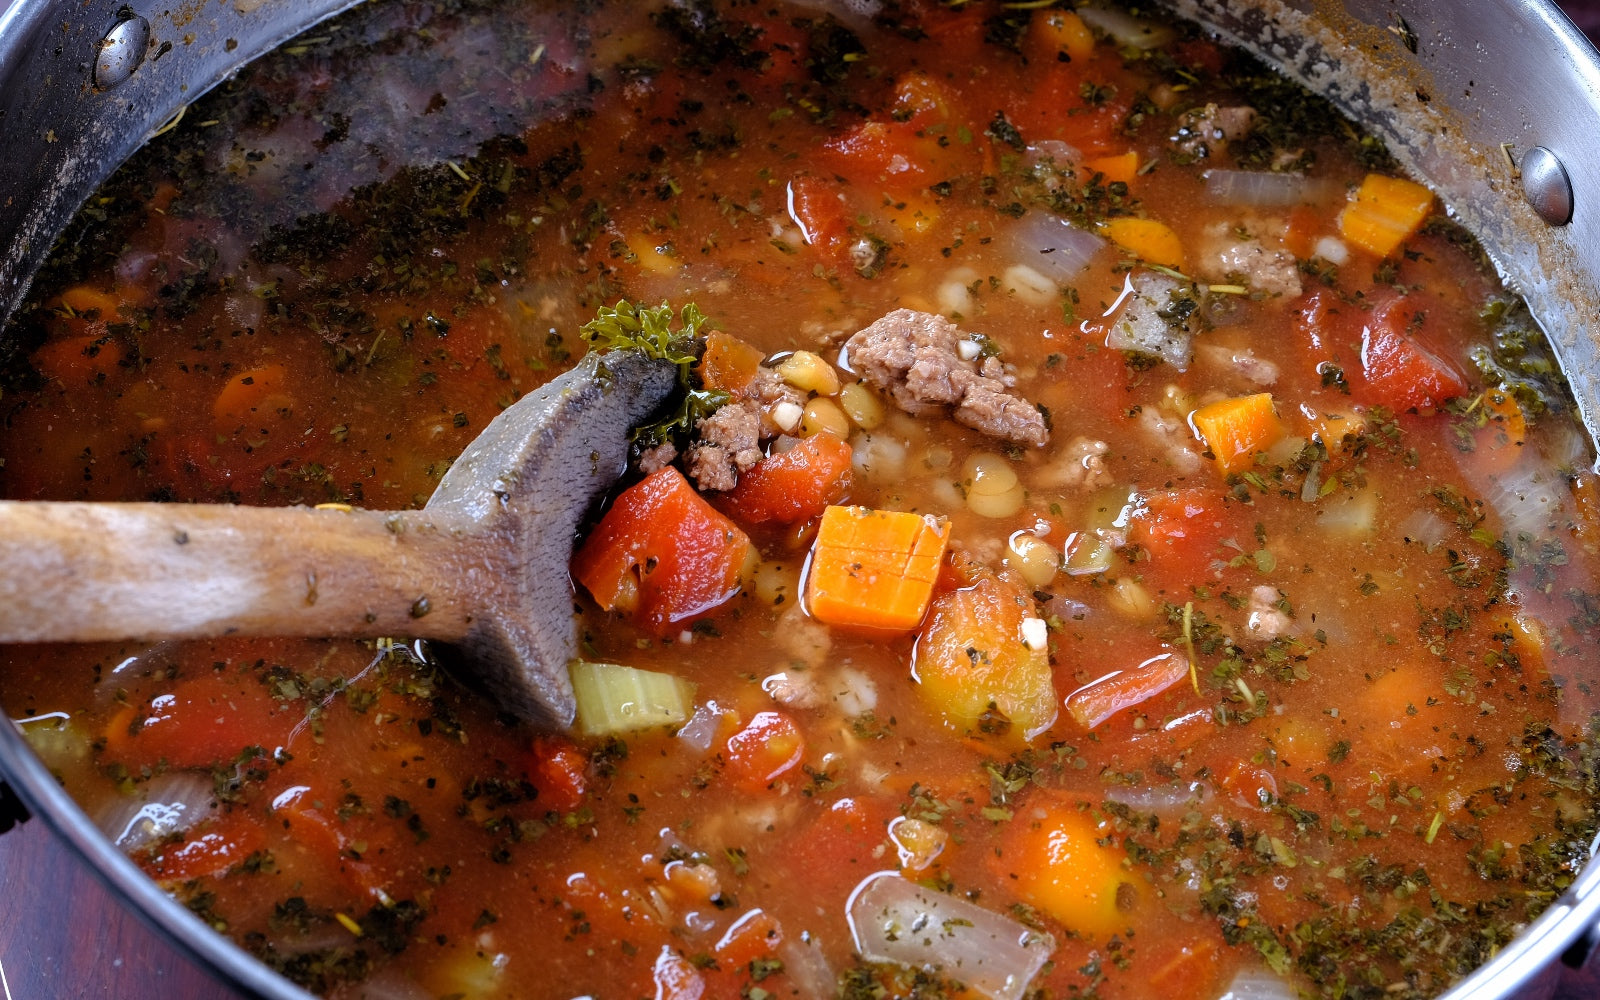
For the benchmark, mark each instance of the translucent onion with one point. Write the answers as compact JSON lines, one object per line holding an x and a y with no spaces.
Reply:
{"x":704,"y":726}
{"x":1261,"y":188}
{"x":166,"y":804}
{"x":895,"y":920}
{"x":1425,"y":528}
{"x":1525,"y":501}
{"x":1050,"y":245}
{"x":1167,"y":801}
{"x":1100,"y":699}
{"x":1125,"y":29}
{"x":1254,"y":983}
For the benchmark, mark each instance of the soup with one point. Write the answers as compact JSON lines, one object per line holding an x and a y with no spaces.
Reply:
{"x":1120,"y":540}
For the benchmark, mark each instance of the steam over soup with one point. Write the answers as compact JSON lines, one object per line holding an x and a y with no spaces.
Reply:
{"x":1118,"y":536}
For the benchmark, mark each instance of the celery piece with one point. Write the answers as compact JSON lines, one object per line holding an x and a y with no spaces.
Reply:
{"x":613,"y":698}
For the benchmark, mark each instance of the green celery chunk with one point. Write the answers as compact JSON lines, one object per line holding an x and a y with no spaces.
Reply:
{"x":613,"y":698}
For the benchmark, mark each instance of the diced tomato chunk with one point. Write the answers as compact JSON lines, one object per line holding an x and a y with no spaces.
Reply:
{"x":1182,"y":532}
{"x":202,"y":722}
{"x":560,"y":772}
{"x":210,"y":849}
{"x":769,"y":746}
{"x":754,"y":935}
{"x":792,"y":486}
{"x":821,"y":207}
{"x":1401,"y":371}
{"x":662,"y":554}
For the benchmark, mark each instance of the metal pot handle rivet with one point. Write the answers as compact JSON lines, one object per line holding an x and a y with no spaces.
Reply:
{"x":1546,"y":186}
{"x":121,"y":51}
{"x":12,"y":811}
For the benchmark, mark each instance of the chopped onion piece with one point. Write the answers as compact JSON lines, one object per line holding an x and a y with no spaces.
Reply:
{"x":616,"y":699}
{"x":1051,"y":246}
{"x":806,"y":966}
{"x":895,"y":920}
{"x":1124,"y":29}
{"x":1258,"y":984}
{"x":1104,"y":697}
{"x":1262,"y":188}
{"x":1168,"y":801}
{"x":168,"y":804}
{"x":704,"y":726}
{"x":1425,"y":528}
{"x":1525,"y":501}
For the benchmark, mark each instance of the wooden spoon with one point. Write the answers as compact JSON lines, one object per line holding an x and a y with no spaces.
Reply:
{"x":483,"y":566}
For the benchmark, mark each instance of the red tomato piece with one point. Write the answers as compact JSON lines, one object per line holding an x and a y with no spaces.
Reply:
{"x":1055,"y":108}
{"x":1182,"y":532}
{"x":315,"y":827}
{"x":210,"y":849}
{"x":1401,"y":371}
{"x":662,"y":555}
{"x":560,"y":772}
{"x":822,"y":209}
{"x":206,"y":721}
{"x":793,"y":486}
{"x":769,"y":746}
{"x":754,"y":935}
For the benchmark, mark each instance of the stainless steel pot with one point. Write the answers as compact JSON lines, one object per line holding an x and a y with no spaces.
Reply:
{"x":1496,"y":103}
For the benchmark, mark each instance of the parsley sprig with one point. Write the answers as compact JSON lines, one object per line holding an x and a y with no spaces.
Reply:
{"x":649,"y":330}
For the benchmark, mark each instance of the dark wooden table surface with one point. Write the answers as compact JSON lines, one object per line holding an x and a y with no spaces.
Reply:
{"x":63,"y":936}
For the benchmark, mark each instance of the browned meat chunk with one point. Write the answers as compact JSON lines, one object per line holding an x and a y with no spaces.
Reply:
{"x":917,"y":358}
{"x":657,"y":458}
{"x":726,"y":444}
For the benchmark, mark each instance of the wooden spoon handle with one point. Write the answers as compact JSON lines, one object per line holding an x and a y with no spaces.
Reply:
{"x":84,"y":572}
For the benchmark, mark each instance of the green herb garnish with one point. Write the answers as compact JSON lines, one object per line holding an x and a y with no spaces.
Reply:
{"x":649,"y":330}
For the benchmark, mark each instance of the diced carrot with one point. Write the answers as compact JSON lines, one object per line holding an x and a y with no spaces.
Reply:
{"x":874,"y":568}
{"x":1499,"y":431}
{"x":1236,"y":429}
{"x":754,"y":935}
{"x":1403,"y":713}
{"x":1056,"y":31}
{"x":661,"y":554}
{"x":728,"y":363}
{"x":1059,"y":865}
{"x":1385,"y":212}
{"x":916,"y":216}
{"x":792,"y":486}
{"x":1333,"y":428}
{"x":76,"y":360}
{"x":1119,"y":690}
{"x":251,"y":396}
{"x":1146,"y":239}
{"x":91,"y":303}
{"x":973,"y":667}
{"x":559,"y":771}
{"x":1123,"y":167}
{"x":769,"y":746}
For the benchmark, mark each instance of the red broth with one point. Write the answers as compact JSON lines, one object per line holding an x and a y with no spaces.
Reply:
{"x":1383,"y":576}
